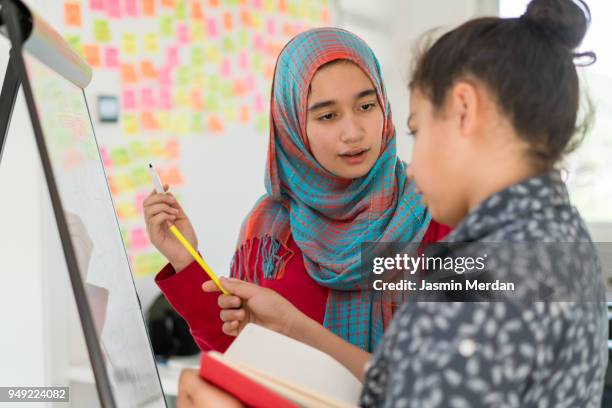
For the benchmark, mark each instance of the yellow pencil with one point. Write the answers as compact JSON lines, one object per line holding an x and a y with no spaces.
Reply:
{"x":160,"y":189}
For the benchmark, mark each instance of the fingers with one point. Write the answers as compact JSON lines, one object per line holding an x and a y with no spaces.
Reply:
{"x":161,"y":218}
{"x":210,"y":286}
{"x":229,"y":302}
{"x":231,"y":315}
{"x":155,"y":198}
{"x":231,"y":328}
{"x":242,"y":289}
{"x":154,"y":209}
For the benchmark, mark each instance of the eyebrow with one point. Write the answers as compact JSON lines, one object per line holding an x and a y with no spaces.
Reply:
{"x":324,"y":104}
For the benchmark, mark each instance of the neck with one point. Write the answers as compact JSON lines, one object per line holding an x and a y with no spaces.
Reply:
{"x":487,"y":182}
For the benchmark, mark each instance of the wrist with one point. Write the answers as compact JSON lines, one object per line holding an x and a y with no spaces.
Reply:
{"x":180,"y":264}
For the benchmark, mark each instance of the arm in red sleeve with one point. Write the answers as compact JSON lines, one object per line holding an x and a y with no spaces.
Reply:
{"x":183,"y":291}
{"x":435,"y":232}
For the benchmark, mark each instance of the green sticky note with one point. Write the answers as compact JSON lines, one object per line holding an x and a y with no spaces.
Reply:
{"x":101,"y":31}
{"x":166,"y":26}
{"x":181,"y":10}
{"x":243,"y":39}
{"x":141,"y":176}
{"x":197,"y":56}
{"x":183,"y":76}
{"x":228,"y":44}
{"x":120,"y":156}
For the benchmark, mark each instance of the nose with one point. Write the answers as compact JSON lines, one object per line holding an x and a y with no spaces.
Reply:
{"x":352,"y":131}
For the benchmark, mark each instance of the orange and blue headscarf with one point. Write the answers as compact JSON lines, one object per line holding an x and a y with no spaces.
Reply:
{"x":330,"y":217}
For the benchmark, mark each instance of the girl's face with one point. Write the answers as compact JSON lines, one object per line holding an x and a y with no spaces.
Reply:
{"x":437,"y":166}
{"x":344,"y":121}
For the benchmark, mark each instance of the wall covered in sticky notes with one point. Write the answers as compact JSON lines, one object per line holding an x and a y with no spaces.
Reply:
{"x":185,"y":72}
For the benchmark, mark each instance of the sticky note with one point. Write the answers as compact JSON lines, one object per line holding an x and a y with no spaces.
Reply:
{"x":258,"y":42}
{"x":197,"y":56}
{"x":211,"y":26}
{"x":181,"y":9}
{"x":282,"y":6}
{"x":271,"y":26}
{"x":172,"y":55}
{"x":120,"y":157}
{"x":245,"y":18}
{"x":228,"y":44}
{"x":96,"y":5}
{"x":101,"y":31}
{"x":111,"y":57}
{"x":172,"y":176}
{"x":163,"y":118}
{"x":128,"y":45}
{"x":75,"y":42}
{"x":240,"y":87}
{"x":183,"y":34}
{"x":106,"y":161}
{"x":250,"y":82}
{"x":213,"y":54}
{"x":257,"y":4}
{"x":148,"y":8}
{"x":197,"y":101}
{"x":113,"y":8}
{"x":165,"y":76}
{"x":269,"y":5}
{"x":168,"y":3}
{"x":92,"y":54}
{"x":183,"y":76}
{"x":151,"y":43}
{"x":131,"y":8}
{"x":166,"y":26}
{"x":214,"y":124}
{"x":181,"y":98}
{"x":262,"y":123}
{"x":213,"y":3}
{"x":196,"y":10}
{"x":72,"y":14}
{"x":197,"y":32}
{"x":128,"y":74}
{"x":165,"y":99}
{"x":139,"y":202}
{"x":128,"y":99}
{"x":259,"y":103}
{"x":141,"y":177}
{"x":243,"y":39}
{"x":245,"y":114}
{"x":228,"y":21}
{"x":130,"y":124}
{"x":148,"y":98}
{"x":148,"y":121}
{"x":226,"y":68}
{"x":148,"y":70}
{"x":172,"y":149}
{"x":197,"y":123}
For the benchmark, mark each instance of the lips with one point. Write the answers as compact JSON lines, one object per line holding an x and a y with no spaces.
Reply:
{"x":354,"y":152}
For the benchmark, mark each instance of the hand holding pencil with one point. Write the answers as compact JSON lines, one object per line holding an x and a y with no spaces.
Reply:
{"x":171,"y":231}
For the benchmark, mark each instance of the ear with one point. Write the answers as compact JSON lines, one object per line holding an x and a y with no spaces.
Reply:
{"x":464,"y":104}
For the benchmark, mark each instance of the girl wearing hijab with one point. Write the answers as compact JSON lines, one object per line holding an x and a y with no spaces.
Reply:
{"x":333,"y":181}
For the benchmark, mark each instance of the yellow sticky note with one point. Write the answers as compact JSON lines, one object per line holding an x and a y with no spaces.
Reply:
{"x":151,"y":43}
{"x":102,"y":31}
{"x":129,"y":46}
{"x":130,"y":124}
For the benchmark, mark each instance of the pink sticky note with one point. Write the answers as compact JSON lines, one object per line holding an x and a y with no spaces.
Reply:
{"x":165,"y":98}
{"x":271,"y":26}
{"x":258,"y":42}
{"x":165,"y":76}
{"x":128,"y":99}
{"x":172,"y":55}
{"x":183,"y":34}
{"x":257,"y":4}
{"x":131,"y":8}
{"x":106,"y":161}
{"x":211,"y":25}
{"x":226,"y":68}
{"x":243,"y":60}
{"x":250,"y":82}
{"x":259,"y":103}
{"x":113,"y":8}
{"x":96,"y":5}
{"x":138,"y":239}
{"x":147,"y":97}
{"x":138,"y":202}
{"x":111,"y":57}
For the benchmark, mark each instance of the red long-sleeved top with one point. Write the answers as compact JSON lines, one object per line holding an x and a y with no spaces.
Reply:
{"x":201,"y":311}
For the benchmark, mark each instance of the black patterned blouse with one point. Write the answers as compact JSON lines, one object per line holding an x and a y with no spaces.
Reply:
{"x":503,"y":354}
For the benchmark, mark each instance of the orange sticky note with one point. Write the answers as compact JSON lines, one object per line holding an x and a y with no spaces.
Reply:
{"x":168,"y":3}
{"x":72,"y":14}
{"x":148,"y":8}
{"x":196,"y":99}
{"x":245,"y":18}
{"x":228,"y":22}
{"x":128,"y":74}
{"x":148,"y":70}
{"x":172,"y":149}
{"x":148,"y":120}
{"x":92,"y":55}
{"x":196,"y":10}
{"x":245,"y":114}
{"x":213,"y":3}
{"x":215,"y":125}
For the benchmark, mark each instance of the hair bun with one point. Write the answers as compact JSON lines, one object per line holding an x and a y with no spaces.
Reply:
{"x":564,"y":21}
